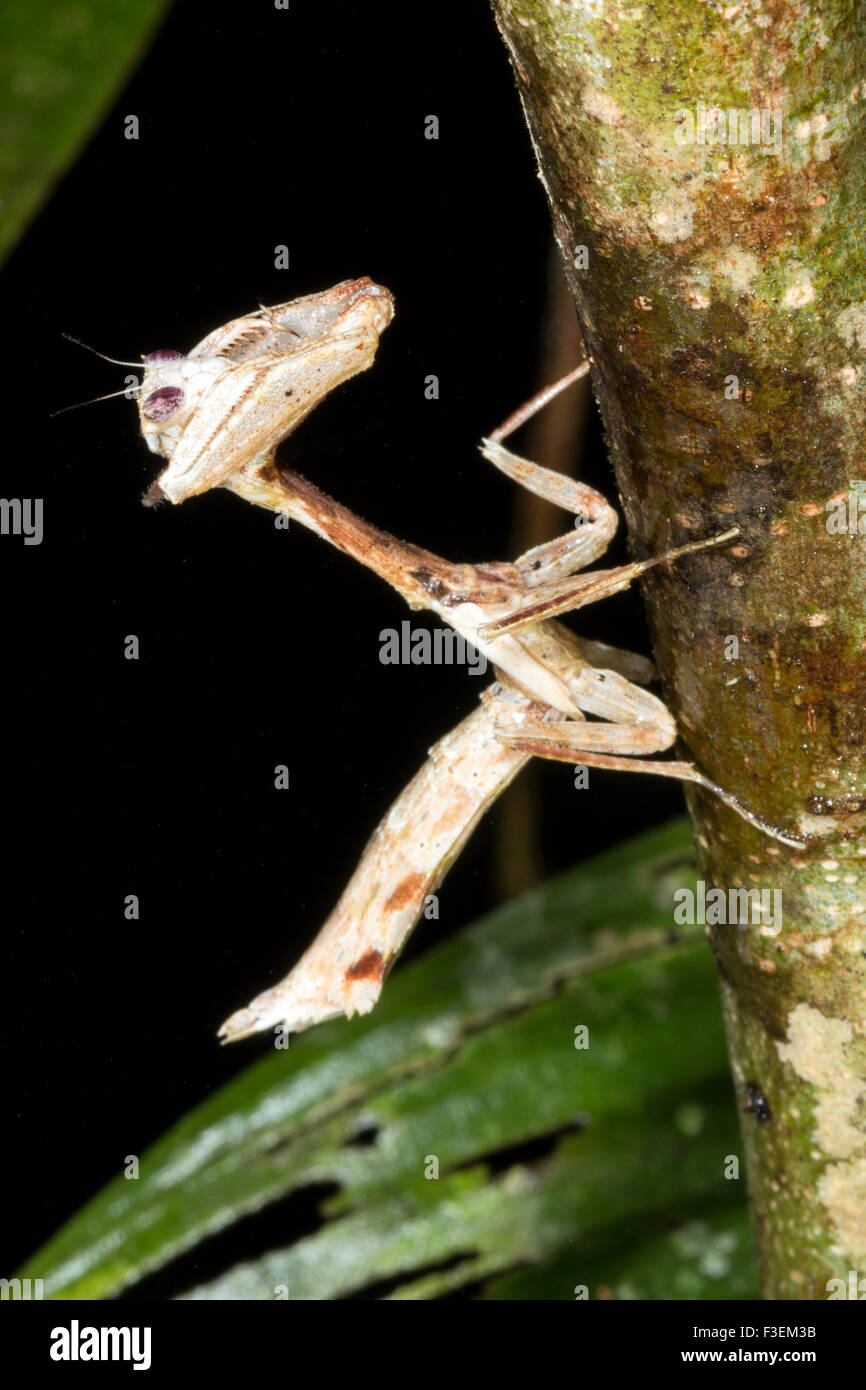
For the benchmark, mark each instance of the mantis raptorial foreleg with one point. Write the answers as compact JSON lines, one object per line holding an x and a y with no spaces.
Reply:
{"x":549,"y":570}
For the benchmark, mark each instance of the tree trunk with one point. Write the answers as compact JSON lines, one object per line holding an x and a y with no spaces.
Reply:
{"x":719,"y":273}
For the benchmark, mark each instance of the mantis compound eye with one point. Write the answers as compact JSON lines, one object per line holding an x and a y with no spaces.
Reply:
{"x":162,"y":355}
{"x":162,"y":404}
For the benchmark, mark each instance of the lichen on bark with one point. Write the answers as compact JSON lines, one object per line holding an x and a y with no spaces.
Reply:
{"x":721,"y":289}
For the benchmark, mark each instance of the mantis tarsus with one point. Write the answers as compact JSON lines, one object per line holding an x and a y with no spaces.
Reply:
{"x":217,"y":416}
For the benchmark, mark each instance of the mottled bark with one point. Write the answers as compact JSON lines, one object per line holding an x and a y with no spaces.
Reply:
{"x":722,"y":296}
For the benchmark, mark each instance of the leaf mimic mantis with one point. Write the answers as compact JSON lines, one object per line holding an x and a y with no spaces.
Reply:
{"x":217,"y":415}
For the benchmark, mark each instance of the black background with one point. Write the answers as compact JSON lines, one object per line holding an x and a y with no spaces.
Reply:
{"x":258,"y":647}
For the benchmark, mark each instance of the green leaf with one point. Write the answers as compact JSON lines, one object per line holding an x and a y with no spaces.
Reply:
{"x":476,"y":1226}
{"x":471,"y":1053}
{"x":711,"y":1256}
{"x":60,"y":68}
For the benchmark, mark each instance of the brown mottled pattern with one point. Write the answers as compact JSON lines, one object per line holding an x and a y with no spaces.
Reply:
{"x":406,"y":891}
{"x":371,"y":966}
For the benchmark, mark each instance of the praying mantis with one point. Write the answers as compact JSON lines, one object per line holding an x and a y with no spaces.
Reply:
{"x":216,"y":416}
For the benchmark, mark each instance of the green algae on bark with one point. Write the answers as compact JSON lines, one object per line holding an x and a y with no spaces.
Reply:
{"x":719,"y":271}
